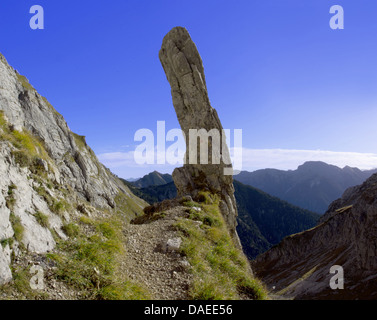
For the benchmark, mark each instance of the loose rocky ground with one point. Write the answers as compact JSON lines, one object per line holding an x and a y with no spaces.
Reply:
{"x":152,"y":262}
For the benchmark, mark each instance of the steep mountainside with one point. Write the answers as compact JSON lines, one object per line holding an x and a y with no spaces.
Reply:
{"x":153,"y":179}
{"x":299,"y":266}
{"x":274,"y":219}
{"x":49,"y":180}
{"x":263,"y":220}
{"x":313,"y":186}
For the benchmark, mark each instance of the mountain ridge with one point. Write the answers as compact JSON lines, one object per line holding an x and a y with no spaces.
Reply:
{"x":154,"y":178}
{"x":313,"y":185}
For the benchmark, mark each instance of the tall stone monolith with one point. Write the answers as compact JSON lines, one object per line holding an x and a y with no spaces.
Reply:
{"x":184,"y":70}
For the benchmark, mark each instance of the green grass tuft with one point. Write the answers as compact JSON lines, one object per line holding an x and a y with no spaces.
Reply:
{"x":21,"y":282}
{"x":28,"y":147}
{"x":18,"y":228}
{"x":71,"y":229}
{"x":10,"y":200}
{"x":25,"y":82}
{"x":42,"y":219}
{"x":80,"y":141}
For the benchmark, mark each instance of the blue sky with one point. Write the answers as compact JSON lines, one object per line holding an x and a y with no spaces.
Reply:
{"x":274,"y":69}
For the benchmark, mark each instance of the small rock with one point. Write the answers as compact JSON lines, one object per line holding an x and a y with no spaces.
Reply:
{"x":184,"y":263}
{"x":173,"y":245}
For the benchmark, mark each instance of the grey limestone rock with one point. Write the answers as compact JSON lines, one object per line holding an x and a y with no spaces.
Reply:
{"x":184,"y":70}
{"x":74,"y":163}
{"x":173,"y":245}
{"x":5,"y":272}
{"x":69,"y":165}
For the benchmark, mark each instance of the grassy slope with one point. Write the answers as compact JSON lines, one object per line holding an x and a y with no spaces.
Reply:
{"x":88,"y":261}
{"x":220,"y":270}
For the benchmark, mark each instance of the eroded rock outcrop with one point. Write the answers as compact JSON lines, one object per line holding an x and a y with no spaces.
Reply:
{"x":46,"y":173}
{"x":299,"y":267}
{"x":185,"y":73}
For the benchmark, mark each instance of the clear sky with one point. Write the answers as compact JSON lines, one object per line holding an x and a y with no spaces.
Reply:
{"x":275,"y":69}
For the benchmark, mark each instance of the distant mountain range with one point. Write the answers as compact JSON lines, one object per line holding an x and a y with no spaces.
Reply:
{"x":313,"y":185}
{"x":263,"y":220}
{"x":152,"y":179}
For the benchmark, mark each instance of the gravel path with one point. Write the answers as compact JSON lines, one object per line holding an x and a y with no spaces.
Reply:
{"x":165,"y":274}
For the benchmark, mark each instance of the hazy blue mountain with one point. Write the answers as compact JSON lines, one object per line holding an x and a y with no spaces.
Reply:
{"x":263,"y":220}
{"x":153,"y":179}
{"x":313,"y":185}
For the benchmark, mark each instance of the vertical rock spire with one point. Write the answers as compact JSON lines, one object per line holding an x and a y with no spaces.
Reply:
{"x":184,"y":70}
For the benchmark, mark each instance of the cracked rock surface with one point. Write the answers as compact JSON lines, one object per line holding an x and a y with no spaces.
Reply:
{"x":185,"y":72}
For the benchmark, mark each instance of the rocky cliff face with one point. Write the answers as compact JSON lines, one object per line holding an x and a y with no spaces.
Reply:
{"x":299,"y":267}
{"x":47,"y":173}
{"x":185,"y":73}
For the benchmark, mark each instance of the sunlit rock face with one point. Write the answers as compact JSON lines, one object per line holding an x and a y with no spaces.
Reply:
{"x":184,"y":70}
